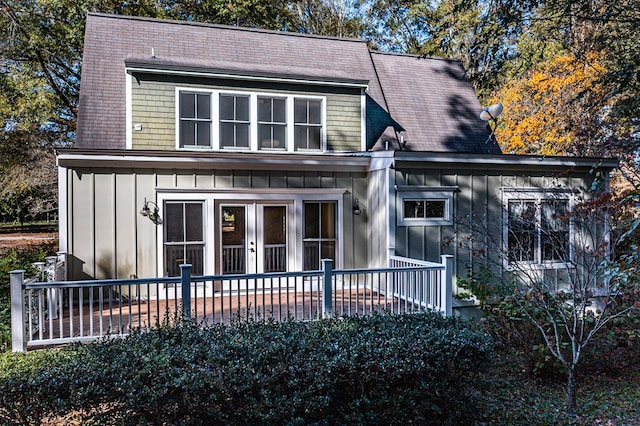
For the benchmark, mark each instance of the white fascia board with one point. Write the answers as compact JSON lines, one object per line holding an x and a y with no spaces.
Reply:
{"x":501,"y":160}
{"x":244,"y":77}
{"x":223,"y":161}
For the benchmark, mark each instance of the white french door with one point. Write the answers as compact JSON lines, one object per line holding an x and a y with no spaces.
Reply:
{"x":254,"y":237}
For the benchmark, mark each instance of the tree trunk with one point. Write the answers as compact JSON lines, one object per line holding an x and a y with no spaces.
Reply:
{"x":571,"y":393}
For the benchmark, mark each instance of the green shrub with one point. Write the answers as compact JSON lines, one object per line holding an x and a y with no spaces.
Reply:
{"x":403,"y":369}
{"x":10,"y":260}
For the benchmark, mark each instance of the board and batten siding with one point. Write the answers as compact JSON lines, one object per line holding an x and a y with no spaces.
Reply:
{"x":153,"y":110}
{"x":108,"y":238}
{"x":479,"y":192}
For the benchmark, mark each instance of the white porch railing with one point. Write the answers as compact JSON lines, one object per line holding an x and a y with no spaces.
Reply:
{"x":58,"y":312}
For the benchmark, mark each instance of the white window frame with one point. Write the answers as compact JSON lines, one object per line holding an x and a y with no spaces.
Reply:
{"x":537,"y":196}
{"x":415,"y":193}
{"x":177,"y":113}
{"x":213,"y":197}
{"x":253,"y":120}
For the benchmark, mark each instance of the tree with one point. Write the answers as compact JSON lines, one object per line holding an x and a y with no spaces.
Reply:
{"x":550,"y":110}
{"x":338,"y":18}
{"x":579,"y":245}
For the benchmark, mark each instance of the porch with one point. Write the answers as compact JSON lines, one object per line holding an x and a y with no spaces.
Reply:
{"x":58,"y":312}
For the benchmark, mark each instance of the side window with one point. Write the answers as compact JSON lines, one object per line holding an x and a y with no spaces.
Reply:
{"x":195,"y":120}
{"x":538,"y":230}
{"x":320,"y":234}
{"x":183,"y":237}
{"x":425,"y":206}
{"x":307,"y":117}
{"x":234,"y":121}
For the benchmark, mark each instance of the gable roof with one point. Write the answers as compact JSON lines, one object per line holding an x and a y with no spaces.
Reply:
{"x":400,"y":88}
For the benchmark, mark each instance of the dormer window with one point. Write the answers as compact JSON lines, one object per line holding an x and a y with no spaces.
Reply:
{"x":195,"y":120}
{"x":308,"y":124}
{"x":272,"y":123}
{"x":229,"y":120}
{"x":234,"y":121}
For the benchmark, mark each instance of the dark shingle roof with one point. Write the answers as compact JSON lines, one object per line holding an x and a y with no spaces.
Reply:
{"x":414,"y":90}
{"x":434,"y":102}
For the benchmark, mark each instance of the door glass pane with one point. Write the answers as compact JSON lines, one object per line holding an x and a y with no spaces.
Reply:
{"x":233,"y":239}
{"x":275,"y":238}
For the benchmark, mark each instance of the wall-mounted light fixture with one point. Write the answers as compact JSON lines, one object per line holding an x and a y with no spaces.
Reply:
{"x":356,"y":207}
{"x":153,"y":214}
{"x":490,"y":115}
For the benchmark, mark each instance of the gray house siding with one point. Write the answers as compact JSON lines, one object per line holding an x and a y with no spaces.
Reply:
{"x":107,"y":237}
{"x":153,"y":107}
{"x":480,"y":193}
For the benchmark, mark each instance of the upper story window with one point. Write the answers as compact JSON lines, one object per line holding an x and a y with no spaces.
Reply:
{"x":195,"y":120}
{"x":308,"y":124}
{"x":250,"y":121}
{"x":272,"y":123}
{"x":234,"y":121}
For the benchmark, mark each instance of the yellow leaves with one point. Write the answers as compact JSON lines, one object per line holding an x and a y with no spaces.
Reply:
{"x":546,"y":110}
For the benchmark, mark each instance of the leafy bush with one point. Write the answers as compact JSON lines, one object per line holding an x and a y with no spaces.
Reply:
{"x":10,"y":260}
{"x":407,"y":369}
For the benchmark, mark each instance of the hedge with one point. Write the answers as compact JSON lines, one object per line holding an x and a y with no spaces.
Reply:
{"x":417,"y":368}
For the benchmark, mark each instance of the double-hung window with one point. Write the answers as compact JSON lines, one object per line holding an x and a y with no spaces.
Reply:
{"x":230,"y":120}
{"x":183,"y":236}
{"x":538,"y":229}
{"x":235,"y":125}
{"x":308,"y":124}
{"x":320,"y":233}
{"x":195,"y":120}
{"x":272,"y":123}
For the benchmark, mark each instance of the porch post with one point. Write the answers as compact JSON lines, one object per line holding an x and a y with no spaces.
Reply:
{"x":327,"y":288}
{"x":446,"y":297}
{"x":185,"y":275}
{"x":18,"y":341}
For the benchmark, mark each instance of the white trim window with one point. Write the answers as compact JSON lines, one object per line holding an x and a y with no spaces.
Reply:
{"x":320,"y":240}
{"x":538,"y":228}
{"x":235,"y":123}
{"x":425,"y":207}
{"x":231,"y":120}
{"x":194,"y":120}
{"x":183,"y":236}
{"x":308,"y":124}
{"x":272,"y":123}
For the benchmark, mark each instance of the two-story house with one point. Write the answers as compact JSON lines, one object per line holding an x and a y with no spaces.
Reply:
{"x":258,"y":151}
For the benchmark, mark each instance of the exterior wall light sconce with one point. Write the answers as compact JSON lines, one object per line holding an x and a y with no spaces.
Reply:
{"x":152,"y":214}
{"x":357,"y":209}
{"x":490,"y":115}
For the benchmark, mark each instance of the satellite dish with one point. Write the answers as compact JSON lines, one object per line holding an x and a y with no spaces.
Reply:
{"x":491,"y":112}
